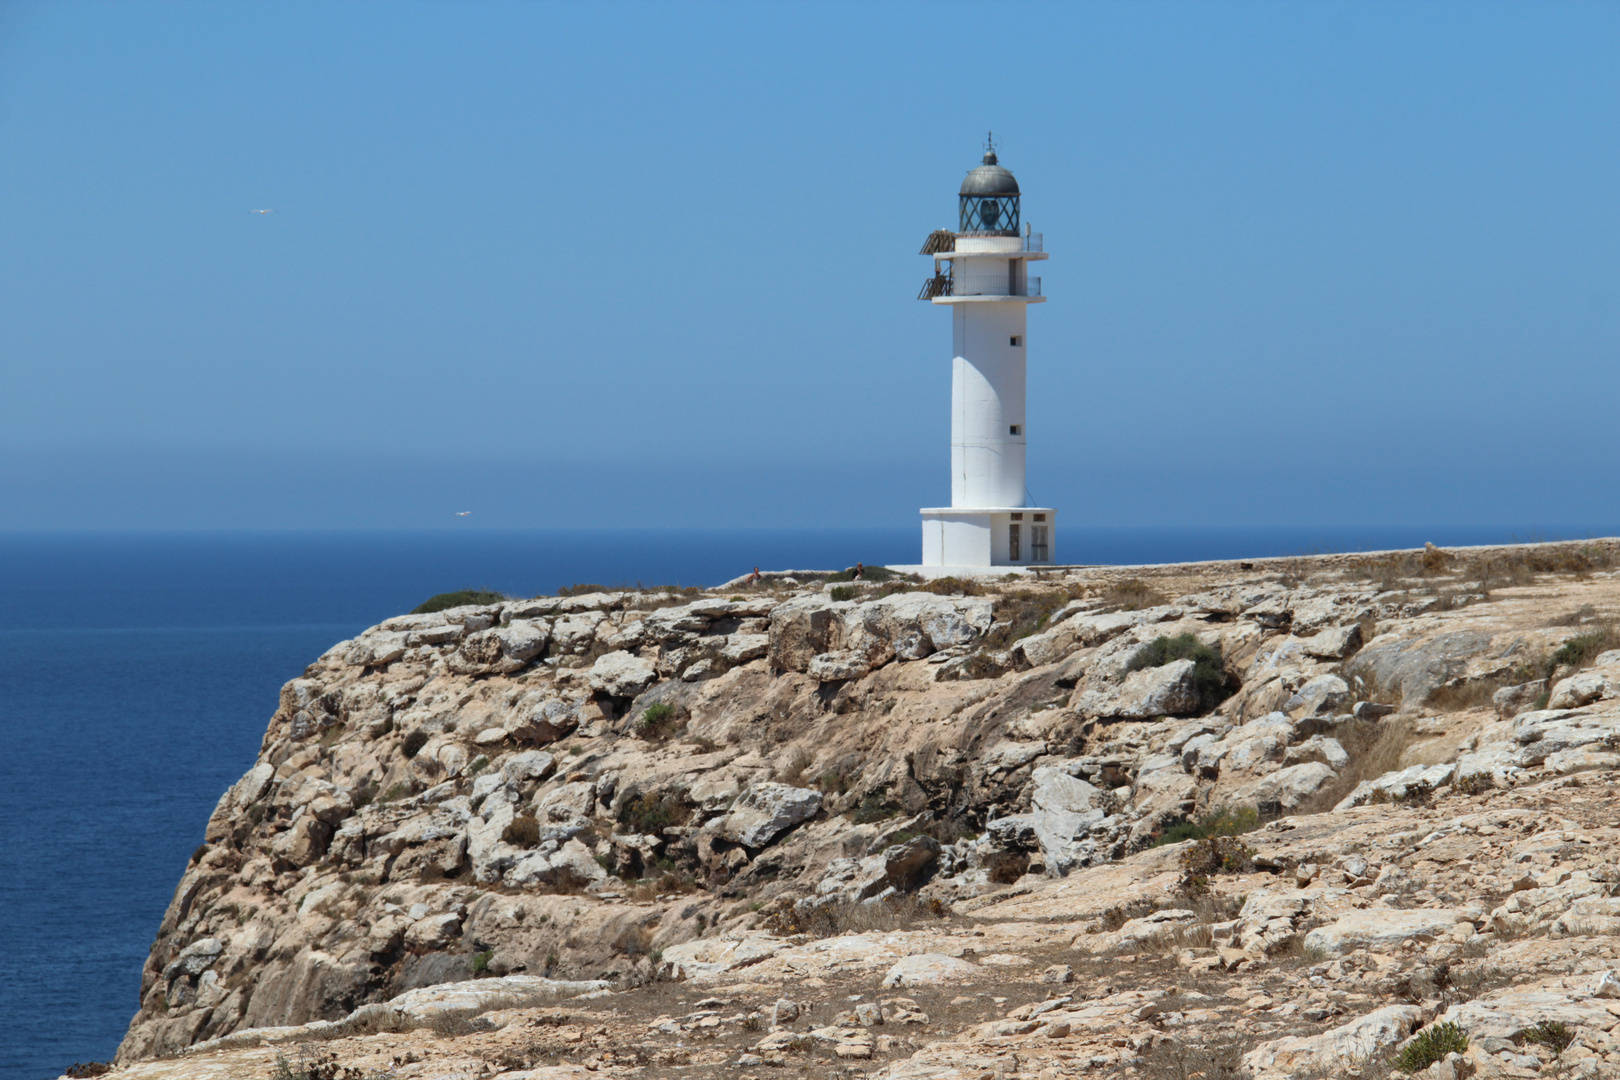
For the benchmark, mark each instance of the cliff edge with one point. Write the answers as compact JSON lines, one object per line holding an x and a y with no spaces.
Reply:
{"x":1242,"y":818}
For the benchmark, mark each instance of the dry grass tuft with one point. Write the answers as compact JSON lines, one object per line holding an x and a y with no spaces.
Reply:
{"x":832,"y":920}
{"x":1133,"y":595}
{"x":1375,"y":747}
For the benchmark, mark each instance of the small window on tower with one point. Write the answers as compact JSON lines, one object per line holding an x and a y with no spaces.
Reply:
{"x":1016,"y":429}
{"x":1017,"y":340}
{"x":1018,"y":517}
{"x":1040,"y":517}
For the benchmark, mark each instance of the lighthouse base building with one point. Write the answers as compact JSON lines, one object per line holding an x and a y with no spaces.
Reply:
{"x":981,"y":273}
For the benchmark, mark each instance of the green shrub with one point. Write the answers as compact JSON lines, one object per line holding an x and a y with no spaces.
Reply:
{"x":1430,"y":1046}
{"x":657,"y":722}
{"x":480,"y":961}
{"x":1209,"y":675}
{"x":395,"y":791}
{"x":1224,"y":821}
{"x":842,"y":592}
{"x":580,"y":590}
{"x":461,"y":598}
{"x":1552,"y":1034}
{"x":873,"y":808}
{"x":1579,"y":651}
{"x":413,"y":743}
{"x":650,"y":813}
{"x":479,"y":764}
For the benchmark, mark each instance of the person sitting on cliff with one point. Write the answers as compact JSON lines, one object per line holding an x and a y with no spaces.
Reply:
{"x":860,"y":572}
{"x":753,"y":579}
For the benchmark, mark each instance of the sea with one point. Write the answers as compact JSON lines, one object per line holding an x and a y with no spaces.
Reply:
{"x":138,"y":671}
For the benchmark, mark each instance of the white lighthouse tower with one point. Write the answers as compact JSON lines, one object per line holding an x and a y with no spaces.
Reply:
{"x":981,"y":273}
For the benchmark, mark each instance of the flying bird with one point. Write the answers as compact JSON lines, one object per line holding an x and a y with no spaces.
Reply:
{"x":463,"y":513}
{"x":261,"y":211}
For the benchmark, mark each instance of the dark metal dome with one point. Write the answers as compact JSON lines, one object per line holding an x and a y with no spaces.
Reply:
{"x":989,"y":179}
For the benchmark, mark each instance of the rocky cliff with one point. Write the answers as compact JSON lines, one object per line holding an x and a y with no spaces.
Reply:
{"x":1286,"y":817}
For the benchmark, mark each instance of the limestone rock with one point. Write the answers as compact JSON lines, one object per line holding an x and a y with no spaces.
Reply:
{"x":1381,"y":929}
{"x":620,"y":674}
{"x":1152,"y":692}
{"x":1399,"y":784}
{"x":907,"y":866}
{"x":930,"y":969}
{"x":1318,"y":697}
{"x":1582,"y":688}
{"x":1334,"y":643}
{"x":1369,"y":1036}
{"x":765,"y":811}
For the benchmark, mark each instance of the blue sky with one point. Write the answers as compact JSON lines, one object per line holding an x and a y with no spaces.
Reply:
{"x":656,"y":263}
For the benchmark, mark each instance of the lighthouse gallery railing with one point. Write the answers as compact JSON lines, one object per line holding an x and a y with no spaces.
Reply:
{"x":989,"y":285}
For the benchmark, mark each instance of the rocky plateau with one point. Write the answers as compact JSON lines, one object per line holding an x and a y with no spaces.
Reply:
{"x":1342,"y":815}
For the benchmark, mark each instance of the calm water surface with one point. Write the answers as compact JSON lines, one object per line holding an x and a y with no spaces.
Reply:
{"x":137,"y":672}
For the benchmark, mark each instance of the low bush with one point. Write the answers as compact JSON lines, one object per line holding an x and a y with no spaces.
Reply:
{"x":1214,"y":855}
{"x":873,"y":808}
{"x":952,"y":586}
{"x":651,"y":812}
{"x":1133,"y":595}
{"x":1210,"y":680}
{"x":413,"y":743}
{"x":1554,"y":1035}
{"x":1020,"y":614}
{"x":480,"y":961}
{"x":522,"y":831}
{"x":1223,"y":821}
{"x":461,"y":598}
{"x":658,"y":722}
{"x":875,"y":574}
{"x":842,"y":592}
{"x":831,"y":920}
{"x":1431,"y":1045}
{"x":1579,"y":651}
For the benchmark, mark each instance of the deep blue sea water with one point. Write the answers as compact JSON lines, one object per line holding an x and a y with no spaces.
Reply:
{"x":137,"y":672}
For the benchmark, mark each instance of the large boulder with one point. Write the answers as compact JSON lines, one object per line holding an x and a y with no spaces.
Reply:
{"x":1152,"y":692}
{"x":621,"y":674}
{"x":930,"y":969}
{"x":500,"y":650}
{"x":1400,"y":784}
{"x":908,"y":865}
{"x":1366,"y":1037}
{"x":1416,"y":668}
{"x":1381,"y":929}
{"x":1320,"y":696}
{"x":1063,"y":810}
{"x":765,"y":811}
{"x":1286,"y":788}
{"x":804,"y":628}
{"x":1334,"y":643}
{"x":913,"y":625}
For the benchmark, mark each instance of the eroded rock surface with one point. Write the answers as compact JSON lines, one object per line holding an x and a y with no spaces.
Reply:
{"x":642,"y":834}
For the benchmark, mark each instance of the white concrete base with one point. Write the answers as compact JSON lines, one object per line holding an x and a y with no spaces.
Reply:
{"x":929,"y":573}
{"x":988,"y":536}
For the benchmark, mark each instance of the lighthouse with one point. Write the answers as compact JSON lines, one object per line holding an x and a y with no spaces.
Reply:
{"x":981,"y":275}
